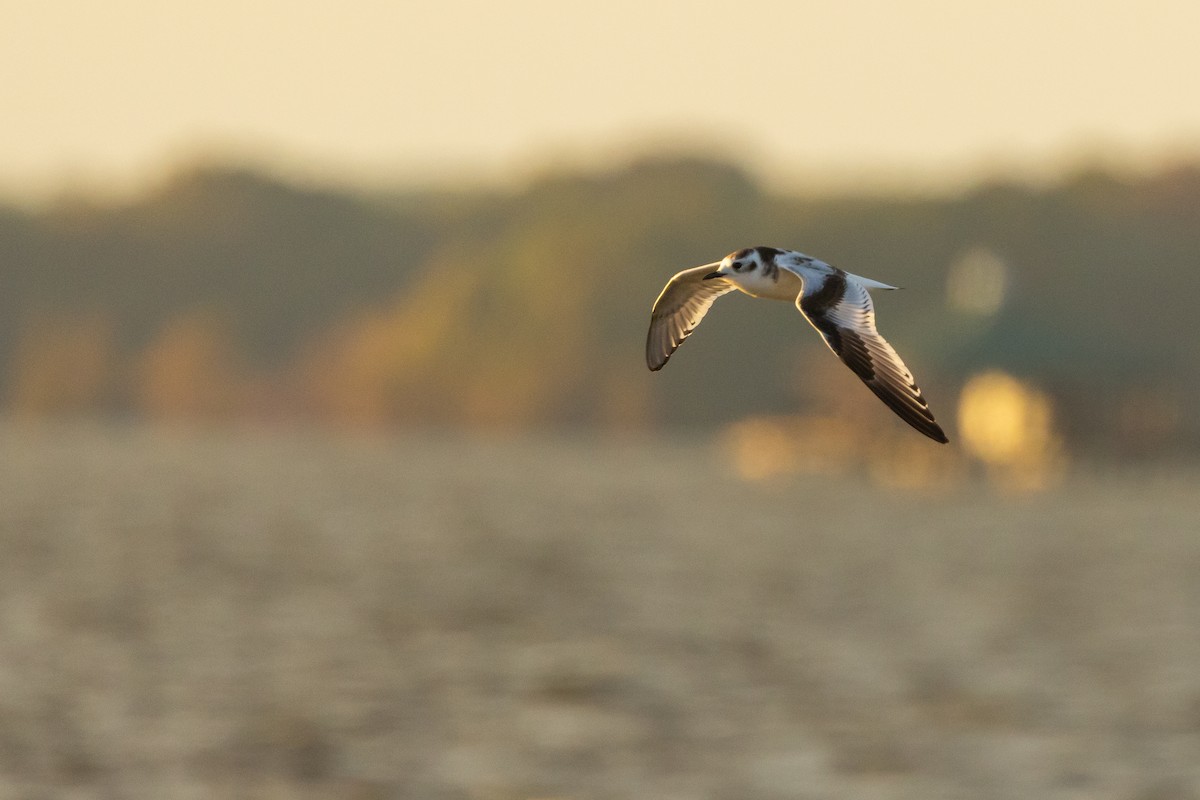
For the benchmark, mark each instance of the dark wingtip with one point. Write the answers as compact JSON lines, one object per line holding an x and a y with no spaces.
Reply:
{"x":650,"y":361}
{"x":930,"y":429}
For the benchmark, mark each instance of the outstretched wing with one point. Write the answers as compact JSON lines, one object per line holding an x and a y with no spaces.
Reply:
{"x":841,"y":310}
{"x":678,"y":310}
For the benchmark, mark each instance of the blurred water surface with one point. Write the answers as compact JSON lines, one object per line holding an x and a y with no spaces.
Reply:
{"x":244,"y":613}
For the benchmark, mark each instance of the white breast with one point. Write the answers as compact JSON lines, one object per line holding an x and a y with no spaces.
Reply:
{"x":776,"y":285}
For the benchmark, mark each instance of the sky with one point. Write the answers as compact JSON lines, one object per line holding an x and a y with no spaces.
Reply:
{"x":108,"y":95}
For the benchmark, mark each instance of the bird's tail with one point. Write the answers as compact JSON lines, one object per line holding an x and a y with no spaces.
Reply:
{"x":870,"y":284}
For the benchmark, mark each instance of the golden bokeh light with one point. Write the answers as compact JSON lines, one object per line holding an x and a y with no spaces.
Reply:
{"x":977,"y":282}
{"x":1009,"y":426}
{"x":761,"y":448}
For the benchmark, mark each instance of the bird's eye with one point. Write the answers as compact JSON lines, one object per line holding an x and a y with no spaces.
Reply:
{"x":737,"y":266}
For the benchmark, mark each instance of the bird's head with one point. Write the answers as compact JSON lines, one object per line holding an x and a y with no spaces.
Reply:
{"x":742,"y":262}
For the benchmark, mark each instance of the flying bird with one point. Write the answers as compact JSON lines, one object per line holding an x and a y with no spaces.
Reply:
{"x":836,"y":302}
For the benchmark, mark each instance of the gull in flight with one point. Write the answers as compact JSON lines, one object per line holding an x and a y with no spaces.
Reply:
{"x":834,"y":301}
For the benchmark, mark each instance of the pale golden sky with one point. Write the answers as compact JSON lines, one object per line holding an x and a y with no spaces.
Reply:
{"x":110,"y":92}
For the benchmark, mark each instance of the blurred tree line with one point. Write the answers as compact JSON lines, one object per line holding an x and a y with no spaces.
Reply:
{"x":230,"y":293}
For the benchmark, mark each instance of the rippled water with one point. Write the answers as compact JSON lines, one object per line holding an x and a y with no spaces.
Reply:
{"x":224,"y":613}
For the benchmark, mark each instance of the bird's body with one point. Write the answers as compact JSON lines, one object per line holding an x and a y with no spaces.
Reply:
{"x":835,"y":302}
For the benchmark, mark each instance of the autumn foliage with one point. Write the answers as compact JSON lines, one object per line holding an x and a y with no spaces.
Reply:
{"x":226,"y":293}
